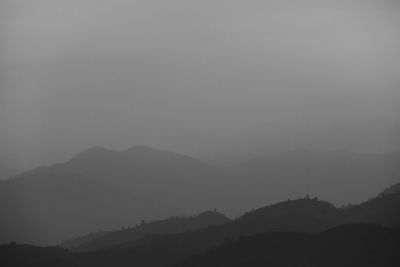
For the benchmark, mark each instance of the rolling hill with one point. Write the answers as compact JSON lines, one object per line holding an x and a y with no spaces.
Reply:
{"x":346,"y":245}
{"x":171,"y":225}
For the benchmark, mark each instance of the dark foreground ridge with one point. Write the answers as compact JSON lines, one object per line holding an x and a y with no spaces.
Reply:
{"x":303,"y":232}
{"x":346,"y":245}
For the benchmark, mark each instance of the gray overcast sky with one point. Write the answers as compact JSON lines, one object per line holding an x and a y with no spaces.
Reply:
{"x":211,"y":78}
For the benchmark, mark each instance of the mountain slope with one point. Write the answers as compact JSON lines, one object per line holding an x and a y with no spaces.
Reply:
{"x":17,"y":255}
{"x":47,"y":207}
{"x":168,"y":226}
{"x":160,"y":175}
{"x":384,"y":210}
{"x":278,"y":217}
{"x":392,"y":189}
{"x":181,"y":181}
{"x":302,"y":215}
{"x":346,"y":245}
{"x":261,"y":237}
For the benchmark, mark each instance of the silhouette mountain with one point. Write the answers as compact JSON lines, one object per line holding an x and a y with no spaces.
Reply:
{"x":46,"y":207}
{"x":306,"y":215}
{"x":346,"y":245}
{"x":168,"y":226}
{"x":17,"y":255}
{"x":283,"y":234}
{"x":383,"y":210}
{"x":75,"y":242}
{"x":302,"y":215}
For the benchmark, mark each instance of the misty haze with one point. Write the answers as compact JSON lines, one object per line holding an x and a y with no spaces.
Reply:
{"x":199,"y":133}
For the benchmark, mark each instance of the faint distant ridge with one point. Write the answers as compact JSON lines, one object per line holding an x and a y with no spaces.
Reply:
{"x":352,"y":176}
{"x":142,"y":149}
{"x":171,"y":225}
{"x":140,"y":152}
{"x":94,"y":151}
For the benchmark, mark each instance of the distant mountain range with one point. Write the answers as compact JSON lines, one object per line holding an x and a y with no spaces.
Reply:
{"x":162,"y":176}
{"x":102,"y":189}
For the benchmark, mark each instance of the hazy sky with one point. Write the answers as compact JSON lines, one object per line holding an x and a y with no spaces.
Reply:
{"x":218,"y":79}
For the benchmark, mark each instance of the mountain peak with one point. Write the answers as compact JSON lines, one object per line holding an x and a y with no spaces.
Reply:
{"x":212,"y":214}
{"x":140,"y":148}
{"x":321,"y":152}
{"x":298,"y":206}
{"x":93,"y":152}
{"x":96,"y":149}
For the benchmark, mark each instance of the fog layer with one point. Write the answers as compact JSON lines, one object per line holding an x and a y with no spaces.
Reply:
{"x":221,"y":80}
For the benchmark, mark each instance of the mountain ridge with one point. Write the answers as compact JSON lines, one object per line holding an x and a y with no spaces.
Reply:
{"x":171,"y":225}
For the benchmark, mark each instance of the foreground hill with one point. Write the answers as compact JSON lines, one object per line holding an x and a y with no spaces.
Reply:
{"x":346,"y":245}
{"x":383,"y":210}
{"x":392,"y":189}
{"x":161,"y":227}
{"x":302,"y":215}
{"x":303,"y":218}
{"x":19,"y":255}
